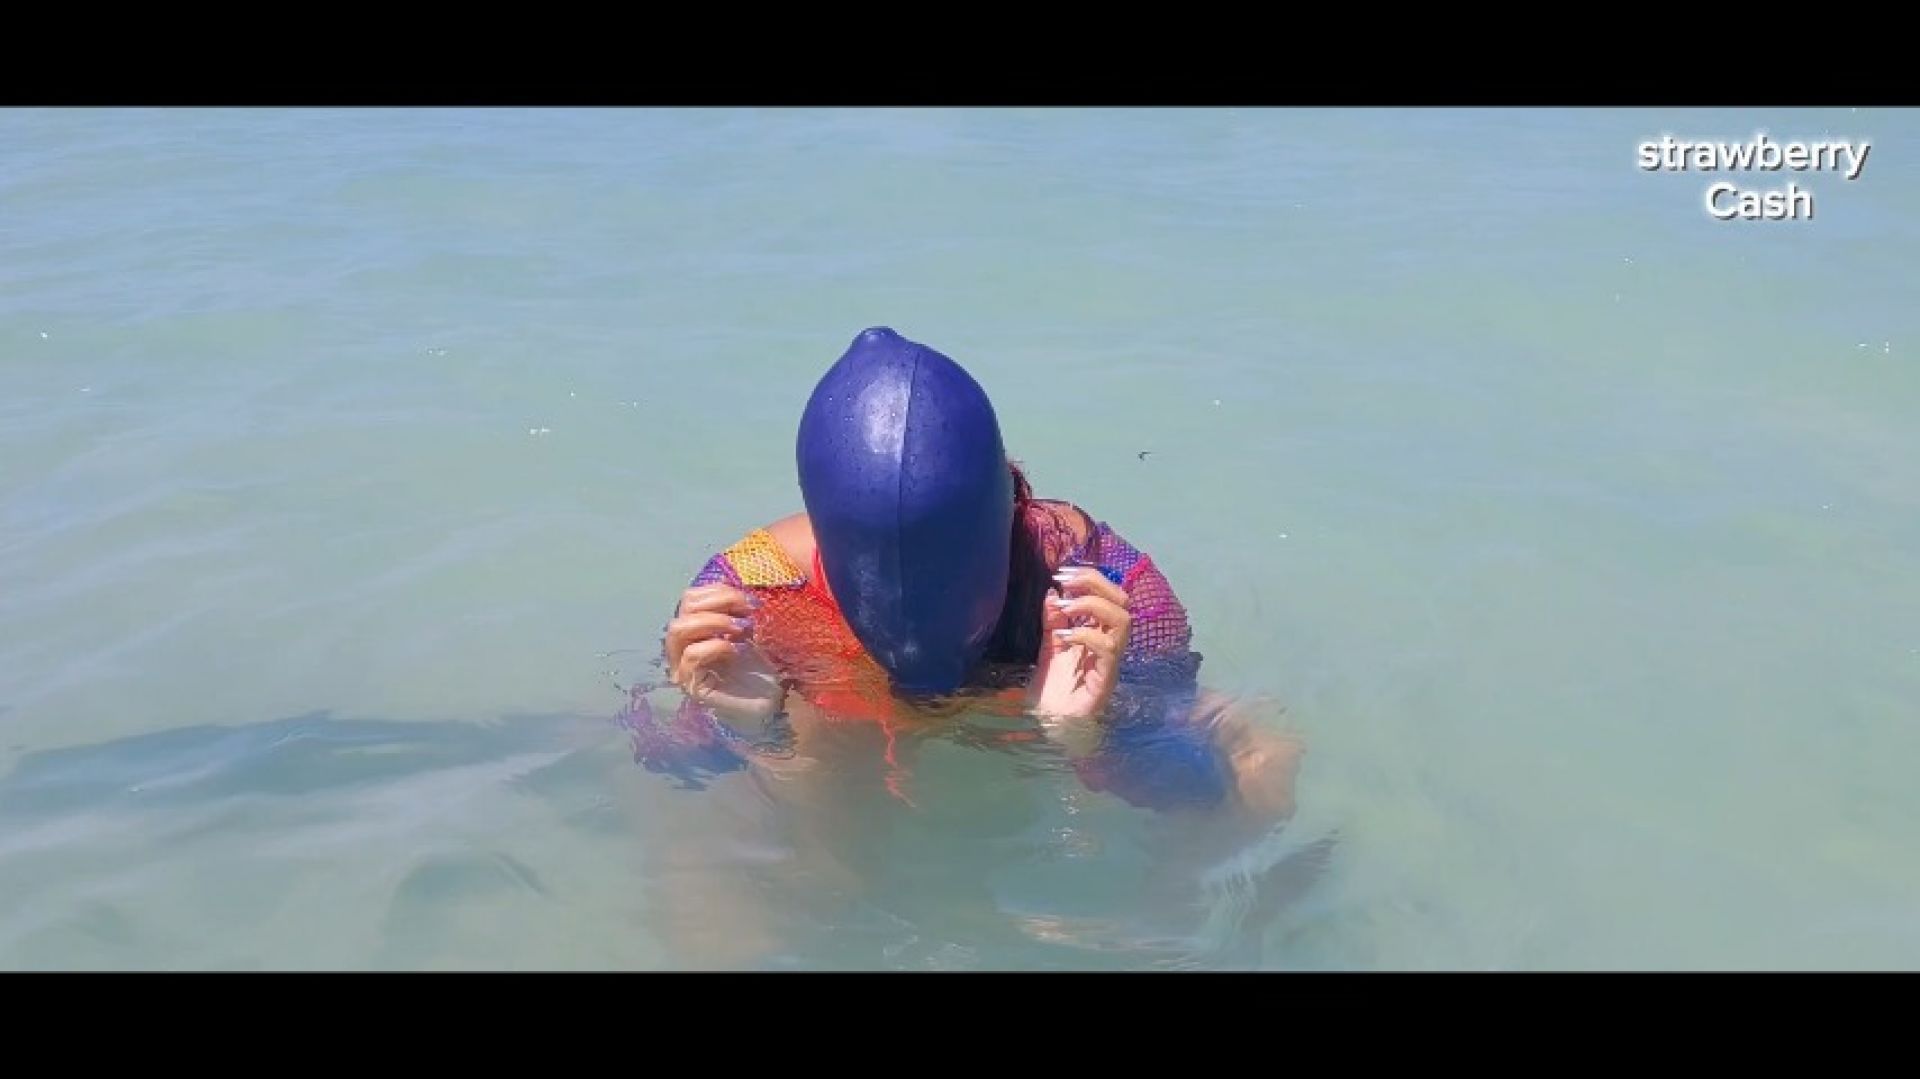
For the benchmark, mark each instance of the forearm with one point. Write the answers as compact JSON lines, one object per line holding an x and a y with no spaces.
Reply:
{"x":1149,"y":750}
{"x":1165,"y":750}
{"x":1264,"y":759}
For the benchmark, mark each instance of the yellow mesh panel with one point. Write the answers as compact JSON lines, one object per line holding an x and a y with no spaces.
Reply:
{"x":799,"y":630}
{"x":760,"y":562}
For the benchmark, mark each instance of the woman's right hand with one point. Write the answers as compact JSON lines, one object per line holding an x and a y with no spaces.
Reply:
{"x":712,"y":657}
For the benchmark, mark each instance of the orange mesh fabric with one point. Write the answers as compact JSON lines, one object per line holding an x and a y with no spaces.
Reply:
{"x":799,"y":627}
{"x":801,"y":631}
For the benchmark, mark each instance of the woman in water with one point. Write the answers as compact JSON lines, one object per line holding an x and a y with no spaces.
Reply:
{"x":925,"y":594}
{"x":924,"y":577}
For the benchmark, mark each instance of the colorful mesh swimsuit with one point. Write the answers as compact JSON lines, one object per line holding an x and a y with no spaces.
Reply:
{"x":1150,"y":756}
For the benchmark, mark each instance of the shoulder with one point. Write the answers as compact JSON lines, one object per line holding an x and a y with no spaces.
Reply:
{"x":1073,"y":519}
{"x":794,"y":534}
{"x":1061,"y":528}
{"x":1083,"y":535}
{"x":773,"y":555}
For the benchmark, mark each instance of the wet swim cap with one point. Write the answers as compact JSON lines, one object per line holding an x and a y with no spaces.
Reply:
{"x":905,"y":478}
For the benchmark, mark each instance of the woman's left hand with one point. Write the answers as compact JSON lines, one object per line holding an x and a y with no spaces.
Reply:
{"x":1086,"y":627}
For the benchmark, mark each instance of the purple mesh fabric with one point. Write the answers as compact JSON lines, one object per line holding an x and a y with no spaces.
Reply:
{"x":688,"y":743}
{"x":1159,"y":648}
{"x":716,"y":569}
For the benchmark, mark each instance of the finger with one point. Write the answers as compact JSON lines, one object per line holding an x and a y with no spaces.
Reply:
{"x":687,"y":629}
{"x":745,"y":707}
{"x":703,"y":660}
{"x":1052,"y":617}
{"x":1097,"y":642}
{"x":1101,"y":610}
{"x":684,"y":631}
{"x":1088,"y":581}
{"x":717,"y":597}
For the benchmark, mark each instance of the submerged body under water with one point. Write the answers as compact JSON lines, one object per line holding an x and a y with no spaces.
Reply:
{"x":969,"y":838}
{"x":836,"y":727}
{"x":953,"y":849}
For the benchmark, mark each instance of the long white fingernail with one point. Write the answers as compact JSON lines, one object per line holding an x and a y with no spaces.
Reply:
{"x":1062,"y":633}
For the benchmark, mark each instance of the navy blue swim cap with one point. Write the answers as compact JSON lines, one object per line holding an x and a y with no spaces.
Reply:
{"x":906,"y":481}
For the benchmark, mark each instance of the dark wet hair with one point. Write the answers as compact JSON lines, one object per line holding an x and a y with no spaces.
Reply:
{"x":1043,"y":531}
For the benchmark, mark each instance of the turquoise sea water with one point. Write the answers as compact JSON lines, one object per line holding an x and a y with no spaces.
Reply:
{"x":342,"y":454}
